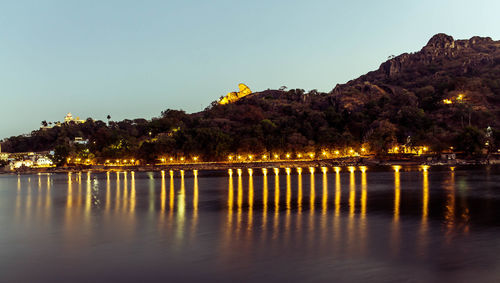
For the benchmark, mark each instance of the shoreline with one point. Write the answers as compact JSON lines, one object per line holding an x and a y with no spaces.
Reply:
{"x":216,"y":166}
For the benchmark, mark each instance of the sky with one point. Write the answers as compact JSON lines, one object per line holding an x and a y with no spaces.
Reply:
{"x":133,"y":59}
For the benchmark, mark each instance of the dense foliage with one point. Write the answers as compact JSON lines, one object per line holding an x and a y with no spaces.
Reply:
{"x":399,"y":103}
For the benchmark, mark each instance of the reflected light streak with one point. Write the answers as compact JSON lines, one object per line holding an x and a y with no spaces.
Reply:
{"x":325,"y":191}
{"x":299,"y":190}
{"x":425,"y":203}
{"x":250,"y":201}
{"x":195,"y":192}
{"x":265,"y":193}
{"x":240,"y":192}
{"x":397,"y":192}
{"x":337,"y":191}
{"x":288,"y":192}
{"x":172,"y":192}
{"x":276,"y":202}
{"x":363,"y":191}
{"x":69,"y":195}
{"x":239,"y":202}
{"x":352,"y":191}
{"x":88,"y":196}
{"x":117,"y":196}
{"x":276,"y":190}
{"x":395,"y":225}
{"x":132,"y":192}
{"x":125,"y":191}
{"x":194,"y":221}
{"x":449,"y":214}
{"x":107,"y":205}
{"x":312,"y":190}
{"x":181,"y":208}
{"x":163,"y":194}
{"x":230,"y":195}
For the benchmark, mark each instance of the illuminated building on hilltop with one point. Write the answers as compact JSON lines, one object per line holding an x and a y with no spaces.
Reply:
{"x":234,"y":96}
{"x":69,"y":118}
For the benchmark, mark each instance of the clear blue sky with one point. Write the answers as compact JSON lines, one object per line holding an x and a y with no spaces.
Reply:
{"x":134,"y":59}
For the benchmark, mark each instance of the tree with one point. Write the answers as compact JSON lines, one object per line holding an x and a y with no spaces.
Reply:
{"x":61,"y":153}
{"x":470,"y":140}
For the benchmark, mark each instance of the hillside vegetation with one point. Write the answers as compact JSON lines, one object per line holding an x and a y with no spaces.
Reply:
{"x":445,"y":95}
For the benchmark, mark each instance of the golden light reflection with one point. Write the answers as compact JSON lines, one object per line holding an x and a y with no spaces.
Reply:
{"x":312,"y":196}
{"x":449,"y":215}
{"x":325,"y":191}
{"x":230,"y":195}
{"x":132,"y":192}
{"x":265,"y":194}
{"x":239,"y":202}
{"x":117,"y":195}
{"x":395,"y":225}
{"x":250,"y":196}
{"x":422,"y":246}
{"x":276,"y":202}
{"x":299,"y":190}
{"x":363,"y":192}
{"x":195,"y":192}
{"x":107,"y":205}
{"x":276,"y":190}
{"x":397,"y":193}
{"x":163,"y":193}
{"x":425,"y":202}
{"x":181,"y":208}
{"x":47,"y":196}
{"x":288,"y":192}
{"x":352,"y":192}
{"x":69,"y":195}
{"x":172,"y":194}
{"x":337,"y":191}
{"x":336,"y":219}
{"x":240,"y":192}
{"x":125,"y":190}
{"x":194,"y":222}
{"x":88,"y":196}
{"x":288,"y":204}
{"x":362,"y":221}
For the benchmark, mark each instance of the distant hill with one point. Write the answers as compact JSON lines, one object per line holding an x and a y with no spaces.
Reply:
{"x":445,"y":95}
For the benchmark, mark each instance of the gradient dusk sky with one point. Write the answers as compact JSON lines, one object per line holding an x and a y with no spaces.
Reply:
{"x":133,"y":59}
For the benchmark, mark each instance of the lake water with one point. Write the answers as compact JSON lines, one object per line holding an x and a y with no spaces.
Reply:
{"x":359,"y":224}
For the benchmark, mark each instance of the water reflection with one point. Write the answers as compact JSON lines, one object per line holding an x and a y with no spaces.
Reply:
{"x":348,"y":209}
{"x":395,"y":225}
{"x":276,"y":202}
{"x":423,"y":243}
{"x":250,"y":200}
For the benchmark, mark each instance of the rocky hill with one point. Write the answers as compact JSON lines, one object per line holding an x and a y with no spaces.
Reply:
{"x":443,"y":69}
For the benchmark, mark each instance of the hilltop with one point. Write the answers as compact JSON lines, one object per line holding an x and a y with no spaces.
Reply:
{"x":443,"y":96}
